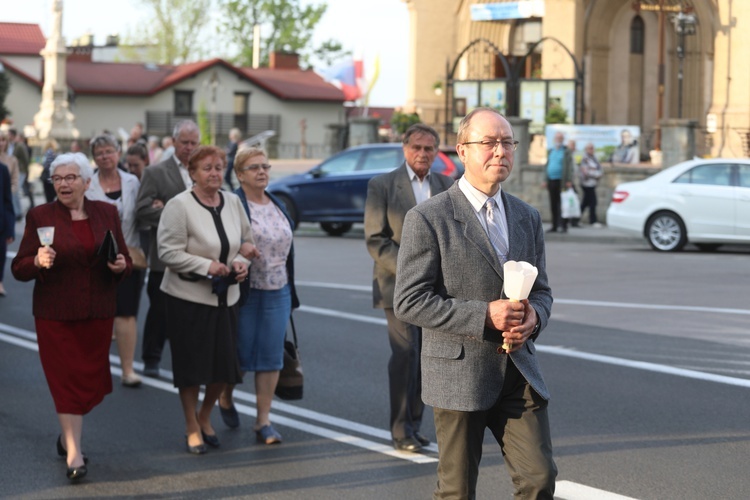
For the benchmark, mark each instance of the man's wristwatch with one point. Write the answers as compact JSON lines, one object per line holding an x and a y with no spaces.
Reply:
{"x":537,"y":327}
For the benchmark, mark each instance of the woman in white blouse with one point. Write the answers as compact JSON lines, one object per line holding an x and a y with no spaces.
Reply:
{"x":119,"y":188}
{"x":270,"y":297}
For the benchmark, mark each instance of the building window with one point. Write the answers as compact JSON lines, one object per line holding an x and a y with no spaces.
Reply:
{"x":183,"y":102}
{"x":241,"y":108}
{"x":637,"y":35}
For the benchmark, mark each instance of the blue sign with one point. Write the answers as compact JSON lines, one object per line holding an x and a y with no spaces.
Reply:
{"x":522,"y":9}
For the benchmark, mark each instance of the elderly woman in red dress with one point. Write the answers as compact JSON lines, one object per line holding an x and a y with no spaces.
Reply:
{"x":74,"y":297}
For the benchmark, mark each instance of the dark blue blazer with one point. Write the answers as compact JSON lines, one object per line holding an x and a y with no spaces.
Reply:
{"x":7,"y":215}
{"x":245,"y":285}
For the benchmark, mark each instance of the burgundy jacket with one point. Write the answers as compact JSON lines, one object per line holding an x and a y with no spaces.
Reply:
{"x":74,"y":288}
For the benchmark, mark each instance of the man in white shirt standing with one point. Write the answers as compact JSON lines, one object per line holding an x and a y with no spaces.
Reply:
{"x":159,"y":184}
{"x":389,"y":197}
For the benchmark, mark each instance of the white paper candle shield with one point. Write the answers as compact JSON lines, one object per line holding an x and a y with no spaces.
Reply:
{"x":519,"y":278}
{"x":46,"y":235}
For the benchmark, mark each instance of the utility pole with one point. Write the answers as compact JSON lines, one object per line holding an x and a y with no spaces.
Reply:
{"x":661,"y":9}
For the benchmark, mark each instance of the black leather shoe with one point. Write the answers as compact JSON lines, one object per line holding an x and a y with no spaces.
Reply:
{"x":230,"y":416}
{"x":210,"y":440}
{"x":76,"y":473}
{"x":151,"y":369}
{"x":422,"y":440}
{"x":407,"y":444}
{"x":195,"y":450}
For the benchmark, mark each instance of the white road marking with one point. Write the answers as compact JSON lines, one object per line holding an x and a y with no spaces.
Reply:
{"x":573,"y":302}
{"x":566,"y":490}
{"x":27,"y":340}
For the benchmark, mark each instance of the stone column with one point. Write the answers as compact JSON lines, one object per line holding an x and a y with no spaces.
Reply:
{"x":363,"y":130}
{"x":521,"y":133}
{"x":335,"y":138}
{"x":677,"y":141}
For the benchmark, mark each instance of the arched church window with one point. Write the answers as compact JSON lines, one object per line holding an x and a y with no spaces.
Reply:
{"x":637,"y":35}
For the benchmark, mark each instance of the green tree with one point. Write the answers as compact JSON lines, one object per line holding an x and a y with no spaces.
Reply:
{"x":4,"y":90}
{"x":174,"y":30}
{"x":556,"y":114}
{"x":286,"y":26}
{"x":204,"y":125}
{"x":401,"y":121}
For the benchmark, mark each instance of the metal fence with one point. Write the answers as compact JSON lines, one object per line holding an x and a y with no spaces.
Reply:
{"x":161,"y":123}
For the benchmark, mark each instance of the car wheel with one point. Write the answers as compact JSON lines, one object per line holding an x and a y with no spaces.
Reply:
{"x":666,"y":232}
{"x":708,"y":247}
{"x":336,"y":228}
{"x":289,"y":206}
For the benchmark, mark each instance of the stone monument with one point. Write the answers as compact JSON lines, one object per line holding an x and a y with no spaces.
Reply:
{"x":54,"y":119}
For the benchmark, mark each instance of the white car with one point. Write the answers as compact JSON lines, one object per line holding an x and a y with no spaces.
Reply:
{"x":704,"y":202}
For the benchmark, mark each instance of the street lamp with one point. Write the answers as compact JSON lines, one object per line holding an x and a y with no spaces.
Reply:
{"x":684,"y":25}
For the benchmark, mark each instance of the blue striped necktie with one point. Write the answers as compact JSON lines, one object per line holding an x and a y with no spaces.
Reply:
{"x":495,"y":230}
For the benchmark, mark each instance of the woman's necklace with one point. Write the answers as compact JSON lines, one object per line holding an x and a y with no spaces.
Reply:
{"x":110,"y":184}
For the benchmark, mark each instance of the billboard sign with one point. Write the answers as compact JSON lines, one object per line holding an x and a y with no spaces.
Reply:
{"x":523,"y":9}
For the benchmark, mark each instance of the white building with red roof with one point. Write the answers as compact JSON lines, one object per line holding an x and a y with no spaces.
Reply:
{"x":114,"y":95}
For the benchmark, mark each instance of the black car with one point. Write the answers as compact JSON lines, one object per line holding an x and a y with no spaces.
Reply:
{"x":334,"y":192}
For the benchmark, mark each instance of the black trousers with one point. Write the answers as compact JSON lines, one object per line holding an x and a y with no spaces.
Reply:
{"x":553,"y":187}
{"x":155,"y":329}
{"x":520,"y":424}
{"x":589,"y":201}
{"x":404,"y":377}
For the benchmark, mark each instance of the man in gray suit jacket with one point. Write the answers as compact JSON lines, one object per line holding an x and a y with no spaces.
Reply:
{"x":479,"y":363}
{"x":389,"y":197}
{"x":159,"y":184}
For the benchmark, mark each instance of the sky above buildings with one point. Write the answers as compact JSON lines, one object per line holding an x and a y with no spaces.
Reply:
{"x":366,"y":27}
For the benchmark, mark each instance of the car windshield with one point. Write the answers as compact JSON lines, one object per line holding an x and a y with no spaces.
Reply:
{"x":383,"y":159}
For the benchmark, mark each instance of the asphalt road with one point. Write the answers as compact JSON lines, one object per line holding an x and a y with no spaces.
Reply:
{"x":647,"y":357}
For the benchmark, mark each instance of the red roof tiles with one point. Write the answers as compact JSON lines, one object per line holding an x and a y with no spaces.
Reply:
{"x":294,"y":84}
{"x":21,"y":39}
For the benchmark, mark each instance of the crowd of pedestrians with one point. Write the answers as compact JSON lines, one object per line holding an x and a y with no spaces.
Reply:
{"x":158,"y":209}
{"x":220,"y":267}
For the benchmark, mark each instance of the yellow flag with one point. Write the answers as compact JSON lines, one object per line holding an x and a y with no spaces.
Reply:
{"x":375,"y":75}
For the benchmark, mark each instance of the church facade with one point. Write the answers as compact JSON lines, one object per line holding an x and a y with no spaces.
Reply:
{"x":605,"y":62}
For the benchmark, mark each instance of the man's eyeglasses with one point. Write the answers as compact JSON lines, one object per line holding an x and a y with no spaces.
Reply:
{"x":254,"y":167}
{"x":69,"y":179}
{"x":507,"y":144}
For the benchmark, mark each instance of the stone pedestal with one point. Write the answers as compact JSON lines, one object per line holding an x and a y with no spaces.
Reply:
{"x":363,"y":130}
{"x":677,"y":141}
{"x":335,"y":138}
{"x":521,"y":133}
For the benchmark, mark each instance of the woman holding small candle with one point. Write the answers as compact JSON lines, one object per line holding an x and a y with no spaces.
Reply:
{"x":74,"y":297}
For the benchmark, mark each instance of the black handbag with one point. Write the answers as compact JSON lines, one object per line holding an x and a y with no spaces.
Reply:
{"x":291,"y":379}
{"x":108,"y":250}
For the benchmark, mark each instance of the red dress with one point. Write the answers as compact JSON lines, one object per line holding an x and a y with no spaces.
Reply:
{"x":75,"y":354}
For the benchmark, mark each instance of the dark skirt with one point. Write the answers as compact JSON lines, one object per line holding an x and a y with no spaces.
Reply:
{"x":75,"y":359}
{"x":203,"y":341}
{"x":129,"y":294}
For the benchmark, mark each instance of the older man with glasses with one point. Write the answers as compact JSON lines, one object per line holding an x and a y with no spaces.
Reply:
{"x":479,"y":363}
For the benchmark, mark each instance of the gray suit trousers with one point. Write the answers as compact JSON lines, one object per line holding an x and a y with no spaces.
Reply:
{"x":520,"y":424}
{"x":404,"y":377}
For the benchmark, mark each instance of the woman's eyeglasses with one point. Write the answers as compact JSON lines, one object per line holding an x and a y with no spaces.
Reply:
{"x":69,"y":179}
{"x":254,"y":167}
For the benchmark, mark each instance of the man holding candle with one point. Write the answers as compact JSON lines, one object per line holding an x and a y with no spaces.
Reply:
{"x":449,"y":281}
